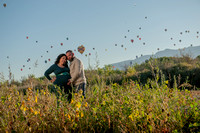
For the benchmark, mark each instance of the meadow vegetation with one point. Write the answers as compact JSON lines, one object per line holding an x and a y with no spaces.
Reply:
{"x":156,"y":96}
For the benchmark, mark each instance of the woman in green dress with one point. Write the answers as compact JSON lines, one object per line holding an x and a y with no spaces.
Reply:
{"x":61,"y":70}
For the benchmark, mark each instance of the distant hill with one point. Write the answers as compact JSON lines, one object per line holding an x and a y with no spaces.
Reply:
{"x":193,"y":52}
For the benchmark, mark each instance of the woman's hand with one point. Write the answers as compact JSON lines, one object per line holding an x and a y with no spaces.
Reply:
{"x":69,"y":82}
{"x":53,"y":80}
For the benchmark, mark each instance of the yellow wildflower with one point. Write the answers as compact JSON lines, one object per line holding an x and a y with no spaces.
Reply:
{"x":82,"y":114}
{"x":78,"y":105}
{"x":72,"y":101}
{"x":36,"y":99}
{"x":29,"y":88}
{"x":166,"y":82}
{"x":86,"y":104}
{"x":36,"y":112}
{"x":75,"y":94}
{"x":23,"y":103}
{"x":28,"y":99}
{"x":24,"y":109}
{"x":31,"y":110}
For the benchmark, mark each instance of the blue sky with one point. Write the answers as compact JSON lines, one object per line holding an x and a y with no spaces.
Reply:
{"x":98,"y":24}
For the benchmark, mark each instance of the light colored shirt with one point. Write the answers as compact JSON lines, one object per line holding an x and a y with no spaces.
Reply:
{"x":77,"y":72}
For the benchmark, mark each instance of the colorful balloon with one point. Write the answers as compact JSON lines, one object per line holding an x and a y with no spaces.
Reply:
{"x":139,"y":38}
{"x":26,"y":37}
{"x":61,"y":44}
{"x":81,"y":49}
{"x":132,"y":40}
{"x":4,"y":5}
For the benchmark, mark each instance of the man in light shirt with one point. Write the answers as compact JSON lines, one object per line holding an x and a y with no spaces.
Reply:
{"x":77,"y":73}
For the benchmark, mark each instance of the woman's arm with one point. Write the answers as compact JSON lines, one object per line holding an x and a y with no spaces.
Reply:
{"x":49,"y":71}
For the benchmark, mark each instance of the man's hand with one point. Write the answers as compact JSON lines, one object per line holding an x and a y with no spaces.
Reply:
{"x":53,"y":80}
{"x":69,"y":82}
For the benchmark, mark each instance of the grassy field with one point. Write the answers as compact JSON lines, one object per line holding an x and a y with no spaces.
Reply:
{"x":110,"y":106}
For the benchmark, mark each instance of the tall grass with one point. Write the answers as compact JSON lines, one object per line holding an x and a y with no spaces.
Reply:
{"x":129,"y":107}
{"x":114,"y":103}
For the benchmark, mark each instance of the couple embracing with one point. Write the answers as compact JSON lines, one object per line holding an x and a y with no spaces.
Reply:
{"x":66,"y":76}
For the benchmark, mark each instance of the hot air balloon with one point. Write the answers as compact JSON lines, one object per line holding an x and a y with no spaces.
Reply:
{"x":29,"y":68}
{"x":23,"y":65}
{"x":4,"y":5}
{"x":174,"y":44}
{"x":81,"y":49}
{"x":36,"y":41}
{"x":140,"y":28}
{"x":191,"y":45}
{"x":141,"y":54}
{"x":45,"y":61}
{"x":122,"y":45}
{"x":7,"y":57}
{"x":41,"y":56}
{"x":85,"y":55}
{"x":143,"y":43}
{"x":179,"y":40}
{"x":61,"y":44}
{"x":158,"y":49}
{"x":115,"y":44}
{"x":132,"y":40}
{"x":197,"y":32}
{"x":51,"y":46}
{"x":124,"y":36}
{"x":165,"y":30}
{"x":47,"y":51}
{"x":21,"y":69}
{"x":125,"y":49}
{"x":139,"y":38}
{"x":89,"y":53}
{"x":93,"y":48}
{"x":26,"y":37}
{"x":128,"y":30}
{"x":171,"y":38}
{"x":181,"y":33}
{"x":145,"y":17}
{"x":197,"y":36}
{"x":49,"y":59}
{"x":67,"y":38}
{"x":113,"y":66}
